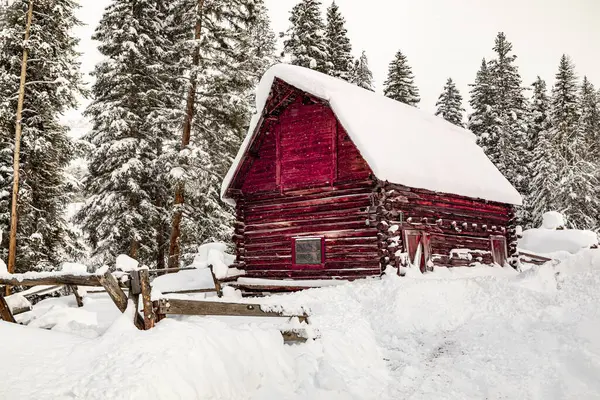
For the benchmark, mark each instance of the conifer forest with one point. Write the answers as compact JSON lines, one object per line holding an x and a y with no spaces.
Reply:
{"x":171,"y":103}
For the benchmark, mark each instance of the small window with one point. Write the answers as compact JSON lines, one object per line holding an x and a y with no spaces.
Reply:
{"x":308,"y":251}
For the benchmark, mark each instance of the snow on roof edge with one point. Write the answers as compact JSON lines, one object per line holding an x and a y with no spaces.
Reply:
{"x":472,"y":175}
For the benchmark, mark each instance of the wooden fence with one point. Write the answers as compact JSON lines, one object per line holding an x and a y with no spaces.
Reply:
{"x":138,"y":284}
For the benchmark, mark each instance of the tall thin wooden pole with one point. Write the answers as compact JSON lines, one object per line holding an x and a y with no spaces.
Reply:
{"x":12,"y":244}
{"x":174,"y":245}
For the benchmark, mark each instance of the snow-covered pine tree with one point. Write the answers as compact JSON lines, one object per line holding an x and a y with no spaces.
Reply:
{"x":223,"y":113}
{"x":506,"y":140}
{"x":543,"y":175}
{"x":589,"y":121}
{"x":575,"y":194}
{"x":539,"y":109}
{"x":360,"y":74}
{"x":131,"y":114}
{"x":44,"y":238}
{"x":226,"y":77}
{"x":337,"y":44}
{"x":400,"y":83}
{"x":449,"y":104}
{"x":481,"y":100}
{"x":305,"y":38}
{"x":564,"y":109}
{"x":587,"y":203}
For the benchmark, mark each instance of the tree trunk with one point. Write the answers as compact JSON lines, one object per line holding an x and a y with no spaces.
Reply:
{"x":133,"y":250}
{"x":12,"y":242}
{"x":160,"y":243}
{"x":174,"y":244}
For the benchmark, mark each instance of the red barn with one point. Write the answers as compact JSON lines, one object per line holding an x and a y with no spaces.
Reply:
{"x":335,"y":181}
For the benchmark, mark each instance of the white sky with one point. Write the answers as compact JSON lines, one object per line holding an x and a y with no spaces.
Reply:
{"x":448,"y":38}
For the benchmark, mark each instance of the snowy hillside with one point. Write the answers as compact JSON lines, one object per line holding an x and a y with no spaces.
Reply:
{"x":455,"y":334}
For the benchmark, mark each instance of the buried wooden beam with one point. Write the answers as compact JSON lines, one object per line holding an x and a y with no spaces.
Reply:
{"x":78,"y":298}
{"x":293,"y":337}
{"x":198,"y":307}
{"x":216,"y":282}
{"x":5,"y":313}
{"x":114,"y":290}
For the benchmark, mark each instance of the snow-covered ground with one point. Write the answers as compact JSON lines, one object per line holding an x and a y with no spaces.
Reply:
{"x":468,"y":333}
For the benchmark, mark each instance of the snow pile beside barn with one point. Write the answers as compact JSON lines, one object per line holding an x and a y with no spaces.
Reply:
{"x":553,"y":238}
{"x":477,"y":332}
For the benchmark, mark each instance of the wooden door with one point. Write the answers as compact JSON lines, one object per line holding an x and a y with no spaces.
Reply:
{"x":499,"y":251}
{"x":418,"y":247}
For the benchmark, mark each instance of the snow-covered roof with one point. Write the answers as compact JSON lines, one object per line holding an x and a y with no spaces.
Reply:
{"x":401,"y":144}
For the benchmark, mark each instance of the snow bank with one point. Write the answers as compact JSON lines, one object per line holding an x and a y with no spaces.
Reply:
{"x":553,"y":238}
{"x":73,"y":268}
{"x":188,"y":360}
{"x":3,"y":268}
{"x":184,"y":280}
{"x":468,"y":333}
{"x":378,"y":124}
{"x":17,"y":302}
{"x":553,"y":220}
{"x":126,"y":263}
{"x":544,"y":241}
{"x":208,"y":254}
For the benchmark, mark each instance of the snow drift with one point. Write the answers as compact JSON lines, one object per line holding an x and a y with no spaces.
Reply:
{"x":553,"y":238}
{"x":475,"y":333}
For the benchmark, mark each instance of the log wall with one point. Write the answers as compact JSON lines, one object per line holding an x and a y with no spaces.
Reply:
{"x":340,"y":214}
{"x":454,"y":224}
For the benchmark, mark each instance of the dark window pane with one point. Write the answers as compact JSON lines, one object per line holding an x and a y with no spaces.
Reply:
{"x":308,"y":251}
{"x":308,"y":246}
{"x":308,"y":258}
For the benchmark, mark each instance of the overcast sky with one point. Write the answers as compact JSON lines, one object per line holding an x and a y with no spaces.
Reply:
{"x":448,"y":38}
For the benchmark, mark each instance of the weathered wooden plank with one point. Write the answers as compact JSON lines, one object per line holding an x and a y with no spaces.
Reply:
{"x":5,"y":313}
{"x":138,"y":320}
{"x":216,"y":282}
{"x":114,"y":290}
{"x":215,"y":308}
{"x":75,"y":292}
{"x":149,"y":317}
{"x":59,"y":279}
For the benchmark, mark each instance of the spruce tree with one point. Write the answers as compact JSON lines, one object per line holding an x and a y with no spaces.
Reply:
{"x":502,"y":122}
{"x":574,"y":193}
{"x":481,"y":100}
{"x":586,"y":206}
{"x":360,"y":74}
{"x":305,"y":38}
{"x":543,"y":173}
{"x":44,"y":239}
{"x":400,"y":84}
{"x":449,"y":104}
{"x":564,"y":108}
{"x":226,"y":78}
{"x":337,"y":44}
{"x":589,"y":121}
{"x":539,"y":109}
{"x":130,"y":114}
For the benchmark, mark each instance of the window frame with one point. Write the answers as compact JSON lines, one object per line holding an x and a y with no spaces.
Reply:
{"x":321,"y":265}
